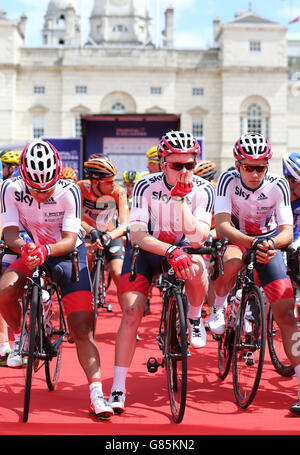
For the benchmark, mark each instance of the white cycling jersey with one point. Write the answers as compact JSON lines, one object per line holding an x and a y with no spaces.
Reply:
{"x":43,"y":222}
{"x":254,"y":212}
{"x":153,"y":208}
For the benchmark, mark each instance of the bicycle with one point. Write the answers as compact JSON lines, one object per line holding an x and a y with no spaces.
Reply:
{"x":243,"y":342}
{"x":172,"y":337}
{"x":44,"y":345}
{"x":278,"y":357}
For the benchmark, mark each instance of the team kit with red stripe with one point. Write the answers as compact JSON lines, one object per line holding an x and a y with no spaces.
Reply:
{"x":45,"y":223}
{"x":258,"y":212}
{"x":153,"y":209}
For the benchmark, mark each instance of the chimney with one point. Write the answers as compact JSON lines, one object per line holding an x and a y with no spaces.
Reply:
{"x":23,"y":26}
{"x":168,"y":31}
{"x":216,"y":28}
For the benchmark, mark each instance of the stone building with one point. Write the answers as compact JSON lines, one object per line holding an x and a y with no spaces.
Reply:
{"x":248,"y":80}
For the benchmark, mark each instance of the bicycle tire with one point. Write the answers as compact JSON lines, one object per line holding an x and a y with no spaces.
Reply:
{"x":225,"y":346}
{"x":33,"y":334}
{"x":249,"y":346}
{"x":53,"y":363}
{"x":176,"y":356}
{"x":276,"y":350}
{"x":95,"y":277}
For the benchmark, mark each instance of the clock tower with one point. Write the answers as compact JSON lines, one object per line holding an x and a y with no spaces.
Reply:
{"x":120,"y":23}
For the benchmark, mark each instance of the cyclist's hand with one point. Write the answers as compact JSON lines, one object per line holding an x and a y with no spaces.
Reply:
{"x":26,"y":251}
{"x":40,"y":254}
{"x":181,"y":262}
{"x":105,"y":239}
{"x":265,"y":251}
{"x":182,"y":188}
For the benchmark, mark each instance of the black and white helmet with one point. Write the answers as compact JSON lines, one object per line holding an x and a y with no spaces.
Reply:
{"x":253,"y":146}
{"x":40,"y":165}
{"x":177,"y":142}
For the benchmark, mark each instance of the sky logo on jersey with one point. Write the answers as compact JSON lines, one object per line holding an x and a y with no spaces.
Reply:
{"x":241,"y":193}
{"x":21,"y":197}
{"x":161,"y":197}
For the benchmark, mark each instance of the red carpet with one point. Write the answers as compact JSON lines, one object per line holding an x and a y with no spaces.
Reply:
{"x":211,"y":407}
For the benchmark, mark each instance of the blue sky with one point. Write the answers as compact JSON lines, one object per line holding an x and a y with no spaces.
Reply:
{"x":192,"y":21}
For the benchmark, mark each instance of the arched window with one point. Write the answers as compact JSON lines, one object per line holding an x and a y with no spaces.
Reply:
{"x":254,"y":120}
{"x":255,"y":116}
{"x":118,"y":108}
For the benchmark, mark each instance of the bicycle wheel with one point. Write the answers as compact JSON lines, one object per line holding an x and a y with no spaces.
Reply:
{"x":95,"y":277}
{"x":225,"y":345}
{"x":176,"y":357}
{"x":54,"y":342}
{"x":278,"y":356}
{"x":33,"y":343}
{"x":249,"y":345}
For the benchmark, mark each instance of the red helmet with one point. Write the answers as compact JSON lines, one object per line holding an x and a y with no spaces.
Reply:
{"x":253,"y":146}
{"x":40,"y":165}
{"x":177,"y":142}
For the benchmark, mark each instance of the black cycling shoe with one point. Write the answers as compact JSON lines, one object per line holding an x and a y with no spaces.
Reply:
{"x":295,"y":408}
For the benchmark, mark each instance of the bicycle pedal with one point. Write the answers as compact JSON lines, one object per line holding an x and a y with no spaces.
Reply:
{"x":249,"y":359}
{"x":153,"y":364}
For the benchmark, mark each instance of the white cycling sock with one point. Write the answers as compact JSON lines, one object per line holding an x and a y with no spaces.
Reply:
{"x":194,"y":312}
{"x":95,"y":386}
{"x":120,"y":374}
{"x":221,"y":301}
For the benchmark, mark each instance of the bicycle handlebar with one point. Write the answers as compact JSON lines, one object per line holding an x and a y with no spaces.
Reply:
{"x":215,"y":249}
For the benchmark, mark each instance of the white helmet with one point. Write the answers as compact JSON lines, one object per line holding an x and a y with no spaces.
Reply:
{"x":40,"y":165}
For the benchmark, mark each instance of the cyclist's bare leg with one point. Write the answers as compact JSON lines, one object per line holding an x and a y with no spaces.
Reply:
{"x":232,"y":264}
{"x":283,"y":312}
{"x":115,"y":267}
{"x":80,"y":325}
{"x":11,"y":289}
{"x":133,"y":304}
{"x":197,"y":287}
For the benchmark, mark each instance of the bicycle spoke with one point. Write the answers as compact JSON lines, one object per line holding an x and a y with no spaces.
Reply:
{"x":249,"y":346}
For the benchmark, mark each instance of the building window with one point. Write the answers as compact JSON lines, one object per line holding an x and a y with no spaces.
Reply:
{"x":38,"y":129}
{"x":255,"y":46}
{"x":81,"y":89}
{"x":78,"y":130}
{"x":39,"y":90}
{"x":254,"y":121}
{"x":118,"y":108}
{"x":155,"y":90}
{"x":198,"y":91}
{"x":198,"y":127}
{"x":255,"y":117}
{"x":120,"y":28}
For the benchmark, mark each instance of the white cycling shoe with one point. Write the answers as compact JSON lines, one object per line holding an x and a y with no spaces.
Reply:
{"x":197,"y":333}
{"x":216,"y":320}
{"x":117,"y":401}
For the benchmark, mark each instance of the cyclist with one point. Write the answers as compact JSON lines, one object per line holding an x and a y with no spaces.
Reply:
{"x":49,"y":210}
{"x":68,"y":173}
{"x":129,"y":179}
{"x":253,"y":208}
{"x":153,"y":164}
{"x":9,"y":168}
{"x":168,"y":211}
{"x":104,"y":208}
{"x":291,"y":171}
{"x":10,"y":162}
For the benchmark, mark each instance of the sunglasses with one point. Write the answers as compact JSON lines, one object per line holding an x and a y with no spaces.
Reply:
{"x":34,"y":190}
{"x":179,"y":166}
{"x":258,"y":169}
{"x":153,"y":162}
